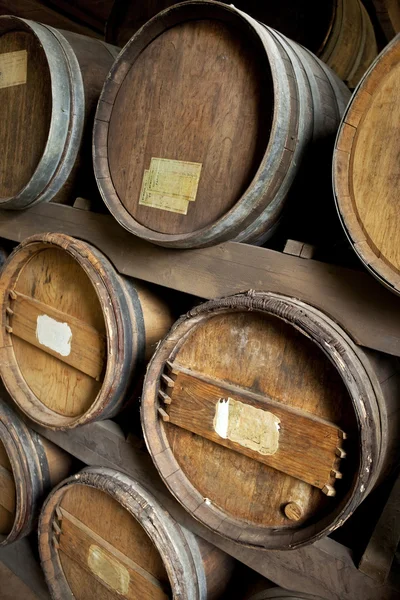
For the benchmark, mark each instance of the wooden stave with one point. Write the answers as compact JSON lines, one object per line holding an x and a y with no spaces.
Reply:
{"x":379,"y":444}
{"x":237,"y":223}
{"x":182,"y":552}
{"x":32,"y":475}
{"x":350,"y":224}
{"x":124,"y":317}
{"x":71,"y":102}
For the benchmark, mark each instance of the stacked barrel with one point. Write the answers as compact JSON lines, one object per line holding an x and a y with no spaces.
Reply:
{"x":266,"y":421}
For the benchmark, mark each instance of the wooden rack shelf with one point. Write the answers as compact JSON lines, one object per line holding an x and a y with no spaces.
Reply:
{"x":370,"y":313}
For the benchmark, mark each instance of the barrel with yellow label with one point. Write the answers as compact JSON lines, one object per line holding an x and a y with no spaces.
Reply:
{"x":266,"y":421}
{"x":74,"y":334}
{"x":204,"y":123}
{"x":102,"y":535}
{"x":50,"y":81}
{"x":29,"y":467}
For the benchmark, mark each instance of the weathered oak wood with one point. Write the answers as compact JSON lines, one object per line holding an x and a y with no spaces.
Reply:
{"x":307,"y":445}
{"x":326,"y":568}
{"x":369,"y":313}
{"x":74,"y":334}
{"x":218,"y":152}
{"x":101,"y":530}
{"x":366,"y":171}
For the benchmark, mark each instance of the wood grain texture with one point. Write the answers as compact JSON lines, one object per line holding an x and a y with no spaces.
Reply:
{"x":87,"y":358}
{"x":54,"y":108}
{"x":28,"y":468}
{"x":228,"y":94}
{"x":366,"y":173}
{"x":54,"y":279}
{"x":368,"y":312}
{"x":218,"y":90}
{"x":307,"y":446}
{"x":94,"y":13}
{"x":142,"y":549}
{"x":265,"y":344}
{"x":326,"y":568}
{"x":26,"y":110}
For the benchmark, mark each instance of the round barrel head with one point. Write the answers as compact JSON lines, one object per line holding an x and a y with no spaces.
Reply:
{"x":367,"y":171}
{"x":254,"y":429}
{"x":26,"y":106}
{"x":103,"y":551}
{"x":7,"y":493}
{"x":57,"y":330}
{"x":191,"y":120}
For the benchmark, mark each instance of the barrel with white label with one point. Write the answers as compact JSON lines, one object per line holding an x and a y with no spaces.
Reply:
{"x":266,"y":421}
{"x":102,"y":535}
{"x":50,"y":81}
{"x":74,"y":334}
{"x":29,"y":467}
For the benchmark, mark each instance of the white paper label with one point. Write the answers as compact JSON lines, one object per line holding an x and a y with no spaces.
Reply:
{"x":246,"y":425}
{"x":54,"y":335}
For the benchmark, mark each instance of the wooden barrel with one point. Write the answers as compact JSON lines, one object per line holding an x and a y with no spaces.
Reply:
{"x":366,"y":171}
{"x":340,"y":32}
{"x":49,"y":86}
{"x":92,"y":12}
{"x":266,"y":421}
{"x":74,"y":334}
{"x":388,"y":13}
{"x":102,"y":535}
{"x":29,"y":467}
{"x":235,"y":108}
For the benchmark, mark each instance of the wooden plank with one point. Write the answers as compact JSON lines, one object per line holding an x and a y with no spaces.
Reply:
{"x":88,"y":346}
{"x":306,"y":447}
{"x":370,"y":313}
{"x":378,"y":555}
{"x":79,"y":542}
{"x":326,"y":568}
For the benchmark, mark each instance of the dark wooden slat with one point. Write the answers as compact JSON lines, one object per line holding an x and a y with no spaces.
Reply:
{"x":369,"y":312}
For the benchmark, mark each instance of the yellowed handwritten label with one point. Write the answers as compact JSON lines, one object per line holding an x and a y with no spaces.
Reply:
{"x":246,"y":425}
{"x":108,"y":569}
{"x":170,"y":185}
{"x":13,"y":68}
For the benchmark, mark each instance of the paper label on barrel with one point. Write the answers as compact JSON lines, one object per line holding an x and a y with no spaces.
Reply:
{"x":13,"y":68}
{"x":54,"y":335}
{"x":108,"y":569}
{"x":246,"y":425}
{"x":170,"y":185}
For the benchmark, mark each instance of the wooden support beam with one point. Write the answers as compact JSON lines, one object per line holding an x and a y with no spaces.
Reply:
{"x":369,"y":312}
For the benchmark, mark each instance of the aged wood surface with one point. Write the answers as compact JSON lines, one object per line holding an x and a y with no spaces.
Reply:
{"x":366,"y":171}
{"x":364,"y":308}
{"x":378,"y":556}
{"x":326,"y":568}
{"x":49,"y":91}
{"x":250,"y":121}
{"x":103,"y":531}
{"x":75,"y":334}
{"x":21,"y":558}
{"x":193,"y":405}
{"x":263,"y":344}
